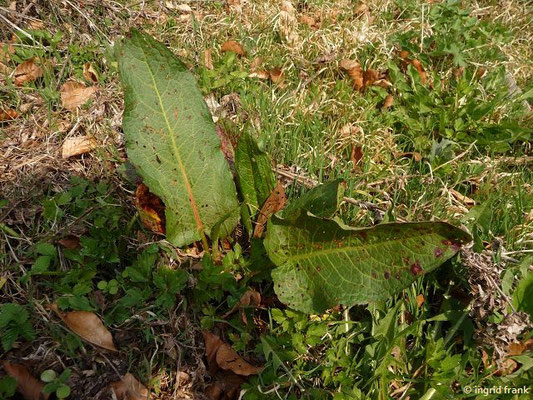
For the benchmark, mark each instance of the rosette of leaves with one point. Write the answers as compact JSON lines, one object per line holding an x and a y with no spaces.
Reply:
{"x":320,"y":262}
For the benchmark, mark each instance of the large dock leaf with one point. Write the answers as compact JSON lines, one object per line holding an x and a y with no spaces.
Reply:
{"x":171,"y":141}
{"x":322,"y":264}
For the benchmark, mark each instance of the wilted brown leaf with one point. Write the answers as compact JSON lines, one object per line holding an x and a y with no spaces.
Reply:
{"x":517,"y":348}
{"x":70,"y":242}
{"x":74,"y":146}
{"x":250,"y":298}
{"x":90,"y":73}
{"x":27,"y":71}
{"x":276,"y":75}
{"x":225,"y":357}
{"x":356,"y":156}
{"x":389,"y":102}
{"x":88,"y":326}
{"x":354,"y":70}
{"x":404,"y":55}
{"x":212,"y":344}
{"x":228,"y":359}
{"x":208,"y":59}
{"x":418,"y":65}
{"x":275,"y":202}
{"x":129,"y":388}
{"x":232,"y":45}
{"x":8,"y":114}
{"x":29,"y":387}
{"x":420,"y":300}
{"x":151,"y":209}
{"x":256,"y":63}
{"x":75,"y":94}
{"x":369,"y":77}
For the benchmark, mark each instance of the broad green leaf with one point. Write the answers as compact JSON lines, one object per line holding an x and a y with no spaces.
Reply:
{"x":254,"y":171}
{"x":322,"y":200}
{"x":172,"y":142}
{"x":523,"y":294}
{"x":321,"y":264}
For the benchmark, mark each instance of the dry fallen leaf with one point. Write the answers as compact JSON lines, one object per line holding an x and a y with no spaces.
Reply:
{"x":70,"y":242}
{"x":129,"y":388}
{"x":27,"y":385}
{"x":225,"y":357}
{"x":256,"y":63}
{"x":27,"y":71}
{"x":369,"y":77}
{"x":75,"y":94}
{"x":404,"y":55}
{"x":517,"y":348}
{"x":228,"y":359}
{"x":418,"y":65}
{"x":275,"y":202}
{"x":6,"y":115}
{"x":212,"y":344}
{"x":354,"y":70}
{"x":208,"y":59}
{"x":88,"y":326}
{"x":74,"y":146}
{"x":151,"y":209}
{"x":356,"y":156}
{"x":389,"y":102}
{"x":276,"y":75}
{"x":420,"y":300}
{"x":250,"y":298}
{"x":90,"y":73}
{"x":232,"y":45}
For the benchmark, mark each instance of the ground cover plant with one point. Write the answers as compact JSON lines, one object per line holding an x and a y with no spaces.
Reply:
{"x":299,"y":200}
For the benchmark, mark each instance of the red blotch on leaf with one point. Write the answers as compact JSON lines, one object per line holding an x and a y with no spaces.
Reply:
{"x":416,"y":268}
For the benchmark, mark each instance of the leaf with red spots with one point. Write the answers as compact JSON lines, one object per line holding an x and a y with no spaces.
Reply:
{"x":172,"y":142}
{"x":322,"y":263}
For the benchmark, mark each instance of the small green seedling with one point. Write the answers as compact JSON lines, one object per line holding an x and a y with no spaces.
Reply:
{"x":57,"y":384}
{"x":110,"y":287}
